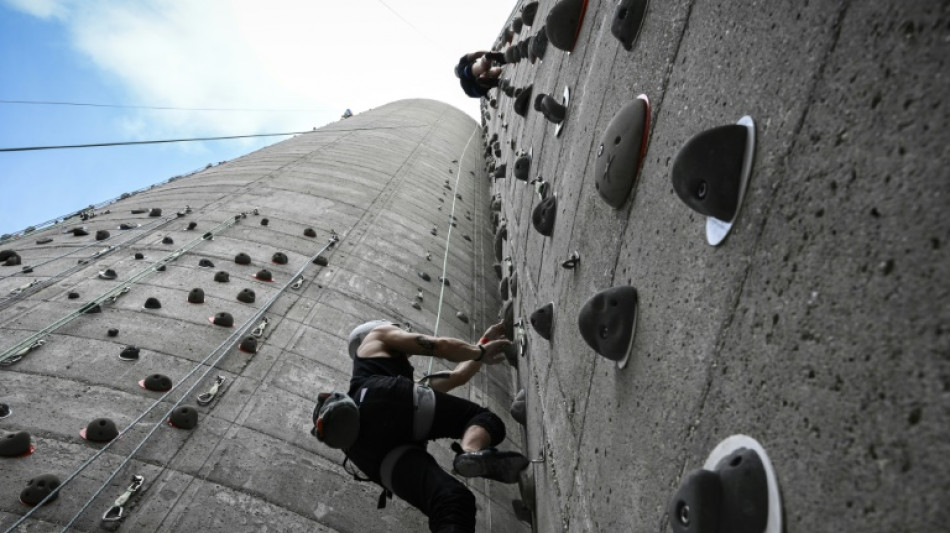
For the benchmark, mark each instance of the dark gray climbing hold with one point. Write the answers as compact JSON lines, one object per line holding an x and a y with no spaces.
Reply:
{"x":112,"y":332}
{"x":321,"y":261}
{"x":156,"y":383}
{"x":444,"y":281}
{"x":513,"y":285}
{"x":192,"y":225}
{"x":416,"y":305}
{"x":434,"y":231}
{"x":130,"y":353}
{"x":264,"y":222}
{"x":102,"y":235}
{"x":248,"y":345}
{"x":139,"y":255}
{"x":467,"y":238}
{"x":621,"y":152}
{"x":222,"y":277}
{"x":519,"y":409}
{"x":628,"y":18}
{"x":517,"y":24}
{"x":15,"y":444}
{"x":205,"y":263}
{"x":309,"y":232}
{"x":503,"y":288}
{"x":500,"y":236}
{"x":196,"y":296}
{"x":222,"y":319}
{"x":553,"y":111}
{"x":735,"y":491}
{"x":4,"y":410}
{"x":26,"y":269}
{"x":707,"y":171}
{"x":264,"y":275}
{"x":543,"y":216}
{"x":279,"y":258}
{"x":507,"y":316}
{"x":542,"y":320}
{"x":168,"y":240}
{"x":608,"y":321}
{"x":72,"y":295}
{"x":184,"y":417}
{"x":160,"y":268}
{"x":425,"y":276}
{"x":45,"y":240}
{"x":523,"y":100}
{"x":247,"y":296}
{"x":124,"y":226}
{"x":462,"y":316}
{"x":539,"y":45}
{"x":498,"y":272}
{"x":155,"y":212}
{"x":571,"y":262}
{"x":500,"y":172}
{"x":108,"y":274}
{"x":80,"y":232}
{"x":523,"y":167}
{"x":242,"y":259}
{"x":564,"y":22}
{"x":139,"y":211}
{"x":152,"y":303}
{"x":38,"y":488}
{"x":208,"y":236}
{"x":6,"y":254}
{"x":100,"y":430}
{"x":12,"y":260}
{"x":528,"y":12}
{"x":511,"y":54}
{"x":90,"y":308}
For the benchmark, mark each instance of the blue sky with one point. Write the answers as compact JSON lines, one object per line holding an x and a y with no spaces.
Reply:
{"x":289,"y":54}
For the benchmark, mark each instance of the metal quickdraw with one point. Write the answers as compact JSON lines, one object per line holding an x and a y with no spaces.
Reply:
{"x":259,"y":330}
{"x":207,"y":397}
{"x":125,"y":290}
{"x":22,"y":353}
{"x":117,"y":512}
{"x":572,"y":261}
{"x":297,"y":284}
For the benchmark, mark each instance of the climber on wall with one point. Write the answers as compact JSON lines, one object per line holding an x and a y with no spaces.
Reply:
{"x":476,"y":73}
{"x":385,"y":420}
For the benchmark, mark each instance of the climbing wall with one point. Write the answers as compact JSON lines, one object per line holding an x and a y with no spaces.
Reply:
{"x":249,"y":275}
{"x":818,"y":327}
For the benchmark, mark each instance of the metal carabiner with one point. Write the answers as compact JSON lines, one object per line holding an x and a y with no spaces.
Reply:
{"x":259,"y":330}
{"x":22,"y":353}
{"x":572,"y":261}
{"x":297,"y":284}
{"x":207,"y":397}
{"x":117,"y":511}
{"x":125,"y":290}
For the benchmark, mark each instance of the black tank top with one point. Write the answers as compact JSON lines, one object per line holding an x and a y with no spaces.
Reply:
{"x":365,"y":368}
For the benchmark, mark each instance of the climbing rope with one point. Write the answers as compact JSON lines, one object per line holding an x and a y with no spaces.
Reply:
{"x":15,"y":353}
{"x":222,"y":350}
{"x":448,"y":239}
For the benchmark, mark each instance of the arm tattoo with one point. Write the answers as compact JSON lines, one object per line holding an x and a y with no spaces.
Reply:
{"x":427,"y":344}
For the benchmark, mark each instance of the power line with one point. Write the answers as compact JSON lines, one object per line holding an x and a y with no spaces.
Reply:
{"x":164,"y":108}
{"x":128,"y":143}
{"x":411,"y":25}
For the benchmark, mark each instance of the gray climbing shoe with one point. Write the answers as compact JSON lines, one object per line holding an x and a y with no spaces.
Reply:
{"x":491,"y":464}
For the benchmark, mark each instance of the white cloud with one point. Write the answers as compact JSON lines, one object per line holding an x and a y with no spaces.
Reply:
{"x":44,"y":9}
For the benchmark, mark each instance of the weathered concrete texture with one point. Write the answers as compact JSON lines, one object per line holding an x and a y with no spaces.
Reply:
{"x":819,"y":327}
{"x":381,"y":181}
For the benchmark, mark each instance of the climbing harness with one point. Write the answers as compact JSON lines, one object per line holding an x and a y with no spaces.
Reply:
{"x":207,"y":397}
{"x":117,"y":512}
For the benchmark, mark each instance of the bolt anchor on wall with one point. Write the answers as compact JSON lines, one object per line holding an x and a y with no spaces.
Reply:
{"x":117,"y":512}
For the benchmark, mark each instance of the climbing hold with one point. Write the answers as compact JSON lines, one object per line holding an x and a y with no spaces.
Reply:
{"x":416,"y":305}
{"x":112,"y":332}
{"x":309,"y":232}
{"x":462,"y":316}
{"x":12,"y":260}
{"x":279,"y":258}
{"x":621,"y":152}
{"x":564,"y":22}
{"x":736,"y":490}
{"x":508,"y":318}
{"x":517,"y":24}
{"x":90,"y":309}
{"x":45,"y":240}
{"x":26,"y":269}
{"x":608,"y":322}
{"x":222,"y":277}
{"x":321,"y":260}
{"x":242,"y":259}
{"x":523,"y":167}
{"x":467,"y":238}
{"x":248,"y":345}
{"x":107,"y":274}
{"x":208,"y":236}
{"x":513,"y":285}
{"x":168,"y":240}
{"x":80,"y":232}
{"x":544,"y":214}
{"x":205,"y":263}
{"x":139,"y":255}
{"x":99,"y":430}
{"x":192,"y":225}
{"x":4,"y":410}
{"x":571,"y":262}
{"x":102,"y":235}
{"x":160,"y":268}
{"x":16,"y":444}
{"x":503,"y":288}
{"x":497,"y":267}
{"x":129,"y":353}
{"x":628,"y":18}
{"x":72,"y":295}
{"x":710,"y":174}
{"x":444,"y":281}
{"x":152,"y":303}
{"x":6,"y":254}
{"x":434,"y":231}
{"x":155,"y":212}
{"x":542,"y":320}
{"x":553,"y":111}
{"x":425,"y":276}
{"x":264,"y":222}
{"x":184,"y":417}
{"x":247,"y":296}
{"x":264,"y":275}
{"x":539,"y":45}
{"x":500,"y":237}
{"x":38,"y":488}
{"x":528,"y":12}
{"x":222,"y":319}
{"x":500,"y":171}
{"x":522,"y":101}
{"x":156,"y":383}
{"x":196,"y":296}
{"x":518,"y":408}
{"x":139,"y":211}
{"x":126,"y":226}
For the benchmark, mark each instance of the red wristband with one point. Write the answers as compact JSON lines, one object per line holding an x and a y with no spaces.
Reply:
{"x":483,"y":340}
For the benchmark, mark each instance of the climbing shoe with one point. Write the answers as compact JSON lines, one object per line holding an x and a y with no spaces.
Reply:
{"x":491,"y":464}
